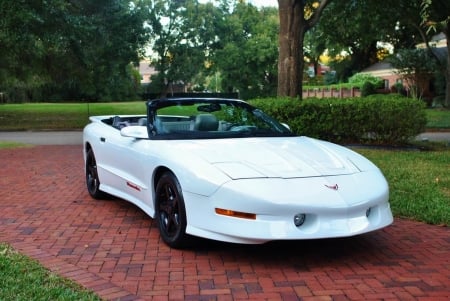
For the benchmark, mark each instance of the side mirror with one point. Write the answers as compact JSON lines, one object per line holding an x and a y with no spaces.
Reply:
{"x":135,"y":131}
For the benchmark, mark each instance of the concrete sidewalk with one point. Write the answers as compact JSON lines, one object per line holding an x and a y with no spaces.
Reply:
{"x":44,"y":137}
{"x":76,"y":137}
{"x":435,"y":136}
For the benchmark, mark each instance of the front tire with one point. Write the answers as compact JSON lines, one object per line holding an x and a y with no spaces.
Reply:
{"x":171,"y":212}
{"x":92,"y":180}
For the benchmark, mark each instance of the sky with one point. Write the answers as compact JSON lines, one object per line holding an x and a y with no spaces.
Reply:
{"x":258,"y":3}
{"x":264,"y":2}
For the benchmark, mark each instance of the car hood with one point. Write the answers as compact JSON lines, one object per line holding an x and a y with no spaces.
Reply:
{"x":297,"y":157}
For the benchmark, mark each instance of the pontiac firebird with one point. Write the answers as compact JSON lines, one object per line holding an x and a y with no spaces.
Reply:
{"x":222,"y":169}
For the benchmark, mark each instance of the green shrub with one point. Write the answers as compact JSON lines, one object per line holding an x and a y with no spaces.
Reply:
{"x":376,"y":119}
{"x":368,"y":88}
{"x":284,"y":109}
{"x":359,"y":79}
{"x":394,"y":119}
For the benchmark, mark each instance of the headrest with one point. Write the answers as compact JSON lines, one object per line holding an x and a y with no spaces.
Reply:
{"x":206,"y":122}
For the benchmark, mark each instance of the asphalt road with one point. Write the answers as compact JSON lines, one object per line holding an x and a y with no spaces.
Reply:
{"x":76,"y":137}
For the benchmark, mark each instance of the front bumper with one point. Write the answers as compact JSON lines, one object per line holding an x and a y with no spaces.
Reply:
{"x":359,"y":205}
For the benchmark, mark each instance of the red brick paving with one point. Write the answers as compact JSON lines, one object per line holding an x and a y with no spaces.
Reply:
{"x":113,"y":248}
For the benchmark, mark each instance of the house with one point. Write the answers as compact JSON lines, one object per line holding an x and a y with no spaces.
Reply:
{"x":386,"y":72}
{"x":321,"y":69}
{"x":437,"y":41}
{"x":392,"y":78}
{"x":146,"y":71}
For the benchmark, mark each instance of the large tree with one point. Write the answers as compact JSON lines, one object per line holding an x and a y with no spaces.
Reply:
{"x":103,"y":38}
{"x":69,"y":50}
{"x":436,"y":15}
{"x":245,"y":54}
{"x":355,"y":28}
{"x":231,"y":42}
{"x":296,"y":18}
{"x":22,"y":48}
{"x":182,"y":35}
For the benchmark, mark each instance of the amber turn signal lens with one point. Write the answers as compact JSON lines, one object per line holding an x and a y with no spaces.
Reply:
{"x":235,"y":213}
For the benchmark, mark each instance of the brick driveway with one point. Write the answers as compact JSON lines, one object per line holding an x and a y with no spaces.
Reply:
{"x":112,"y":248}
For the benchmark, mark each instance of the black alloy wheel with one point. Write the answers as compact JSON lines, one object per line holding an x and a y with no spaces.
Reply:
{"x":92,"y":180}
{"x":170,"y":211}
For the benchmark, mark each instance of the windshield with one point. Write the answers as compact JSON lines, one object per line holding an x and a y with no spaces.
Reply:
{"x":210,"y":118}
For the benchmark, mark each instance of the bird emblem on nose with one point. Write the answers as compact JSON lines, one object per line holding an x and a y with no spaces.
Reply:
{"x":334,"y":187}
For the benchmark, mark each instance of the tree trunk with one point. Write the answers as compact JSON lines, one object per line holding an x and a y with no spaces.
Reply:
{"x":290,"y":56}
{"x":293,"y":27}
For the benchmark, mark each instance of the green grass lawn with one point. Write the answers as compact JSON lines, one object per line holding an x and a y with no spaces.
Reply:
{"x":25,"y":279}
{"x":57,"y":116}
{"x":438,"y":119}
{"x":11,"y":144}
{"x":419,"y":182}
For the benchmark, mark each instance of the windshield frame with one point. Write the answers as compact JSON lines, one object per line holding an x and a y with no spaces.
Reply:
{"x":222,"y":108}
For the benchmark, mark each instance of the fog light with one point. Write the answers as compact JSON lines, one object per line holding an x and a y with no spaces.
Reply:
{"x":368,"y":212}
{"x":299,"y":219}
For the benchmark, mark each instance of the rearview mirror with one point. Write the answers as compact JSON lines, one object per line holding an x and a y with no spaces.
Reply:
{"x":286,"y":125}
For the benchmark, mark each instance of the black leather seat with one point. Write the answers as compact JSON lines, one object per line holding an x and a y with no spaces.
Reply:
{"x":206,"y":122}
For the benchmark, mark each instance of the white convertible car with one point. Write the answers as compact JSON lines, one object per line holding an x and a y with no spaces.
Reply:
{"x":224,"y":170}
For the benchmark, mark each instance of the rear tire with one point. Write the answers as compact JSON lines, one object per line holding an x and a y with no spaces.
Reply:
{"x":171,"y":212}
{"x":92,"y":180}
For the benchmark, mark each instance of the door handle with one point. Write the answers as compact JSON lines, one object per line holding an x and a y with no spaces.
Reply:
{"x":102,"y":139}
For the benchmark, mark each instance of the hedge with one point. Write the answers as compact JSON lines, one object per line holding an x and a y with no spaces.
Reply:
{"x":376,"y":119}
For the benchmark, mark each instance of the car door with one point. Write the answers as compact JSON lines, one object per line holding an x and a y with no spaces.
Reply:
{"x":130,"y":165}
{"x":104,"y":142}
